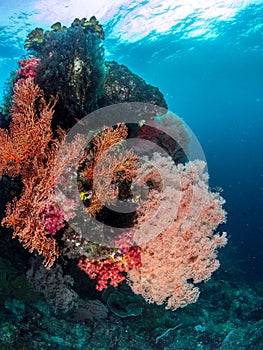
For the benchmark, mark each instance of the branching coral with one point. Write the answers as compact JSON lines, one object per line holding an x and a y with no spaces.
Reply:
{"x":29,"y":150}
{"x":29,"y":130}
{"x":106,"y":167}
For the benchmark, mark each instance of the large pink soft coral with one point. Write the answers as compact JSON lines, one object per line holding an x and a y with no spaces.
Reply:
{"x":176,"y":233}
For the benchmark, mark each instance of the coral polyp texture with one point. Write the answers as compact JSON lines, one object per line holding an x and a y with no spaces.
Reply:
{"x":183,"y":253}
{"x":167,"y":244}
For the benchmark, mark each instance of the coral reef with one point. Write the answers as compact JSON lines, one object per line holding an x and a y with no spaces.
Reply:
{"x":107,"y":173}
{"x":130,"y":323}
{"x":121,"y":85}
{"x":71,"y":66}
{"x":165,"y":246}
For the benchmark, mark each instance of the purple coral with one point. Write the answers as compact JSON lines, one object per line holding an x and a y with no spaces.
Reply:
{"x":28,"y":69}
{"x":53,"y":217}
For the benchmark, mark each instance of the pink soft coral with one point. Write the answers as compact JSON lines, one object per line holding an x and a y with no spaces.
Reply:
{"x":53,"y":218}
{"x":28,"y":69}
{"x":175,"y":233}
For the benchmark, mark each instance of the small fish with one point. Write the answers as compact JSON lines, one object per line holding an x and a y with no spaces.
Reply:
{"x":85,"y":195}
{"x":141,"y":123}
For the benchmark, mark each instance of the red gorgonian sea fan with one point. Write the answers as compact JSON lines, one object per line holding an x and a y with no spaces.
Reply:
{"x":30,"y":150}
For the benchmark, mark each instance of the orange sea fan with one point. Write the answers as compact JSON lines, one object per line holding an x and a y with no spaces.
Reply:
{"x":31,"y":151}
{"x":108,"y":164}
{"x":30,"y":130}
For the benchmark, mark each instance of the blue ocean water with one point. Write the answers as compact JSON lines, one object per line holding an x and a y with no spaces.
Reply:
{"x":215,"y":84}
{"x":207,"y":60}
